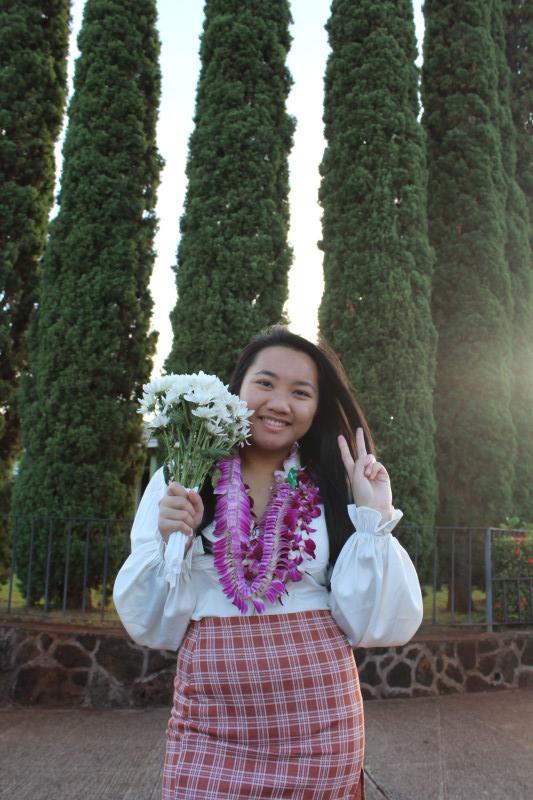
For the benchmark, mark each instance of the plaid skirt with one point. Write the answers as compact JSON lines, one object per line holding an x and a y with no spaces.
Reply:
{"x":265,"y":706}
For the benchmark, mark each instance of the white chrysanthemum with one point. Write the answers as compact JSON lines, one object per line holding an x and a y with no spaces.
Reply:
{"x":201,"y":379}
{"x":238,"y":407}
{"x":221,"y":421}
{"x":204,"y":412}
{"x":179,"y":385}
{"x":220,"y":411}
{"x":204,"y":389}
{"x":159,"y":421}
{"x":158,"y":385}
{"x":145,"y":407}
{"x":204,"y":385}
{"x":199,"y":395}
{"x":244,"y":415}
{"x":155,"y":392}
{"x":214,"y":427}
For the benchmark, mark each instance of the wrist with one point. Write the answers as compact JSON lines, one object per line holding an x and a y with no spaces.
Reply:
{"x":386,"y":512}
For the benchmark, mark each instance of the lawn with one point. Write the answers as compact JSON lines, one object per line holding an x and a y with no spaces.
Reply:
{"x":444,"y":617}
{"x":70,"y":616}
{"x":18,"y":609}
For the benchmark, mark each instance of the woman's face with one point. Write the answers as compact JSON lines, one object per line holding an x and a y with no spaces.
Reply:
{"x":281,"y":386}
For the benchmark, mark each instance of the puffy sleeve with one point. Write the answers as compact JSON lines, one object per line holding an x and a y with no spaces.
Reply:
{"x":155,"y":610}
{"x":375,"y":593}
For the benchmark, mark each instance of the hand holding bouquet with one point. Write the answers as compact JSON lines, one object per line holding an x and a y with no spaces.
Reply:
{"x":198,"y":421}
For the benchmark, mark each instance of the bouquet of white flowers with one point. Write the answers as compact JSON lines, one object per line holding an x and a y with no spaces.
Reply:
{"x":198,"y":421}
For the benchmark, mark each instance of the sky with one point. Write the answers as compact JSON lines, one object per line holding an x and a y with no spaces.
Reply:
{"x":180,"y":25}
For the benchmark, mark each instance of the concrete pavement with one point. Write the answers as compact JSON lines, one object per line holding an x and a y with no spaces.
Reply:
{"x":456,"y":747}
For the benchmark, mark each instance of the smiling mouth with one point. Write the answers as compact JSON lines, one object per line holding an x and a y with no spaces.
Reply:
{"x":274,"y":423}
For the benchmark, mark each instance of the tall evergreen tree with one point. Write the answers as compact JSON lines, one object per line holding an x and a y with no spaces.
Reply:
{"x":33,"y":51}
{"x":472,"y":295}
{"x":90,"y":350}
{"x":233,"y":257}
{"x":519,"y":49}
{"x":518,"y":140}
{"x":377,"y":262}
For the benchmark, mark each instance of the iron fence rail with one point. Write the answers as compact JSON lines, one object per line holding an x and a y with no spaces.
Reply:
{"x":55,"y":562}
{"x":67,"y":565}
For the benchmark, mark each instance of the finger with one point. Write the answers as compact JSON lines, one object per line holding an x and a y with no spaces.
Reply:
{"x":169,"y":527}
{"x":173,"y":516}
{"x":166,"y":533}
{"x":176,"y":489}
{"x":378,"y":470}
{"x":195,"y":500}
{"x":346,"y":456}
{"x":373,"y":471}
{"x":369,"y":460}
{"x":180,"y":526}
{"x":383,"y":474}
{"x":178,"y":502}
{"x":360,"y":443}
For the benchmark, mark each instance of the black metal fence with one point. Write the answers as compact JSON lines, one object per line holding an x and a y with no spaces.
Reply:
{"x":66,"y":568}
{"x":473,"y":576}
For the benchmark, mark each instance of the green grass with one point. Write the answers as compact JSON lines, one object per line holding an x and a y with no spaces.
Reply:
{"x":18,"y":610}
{"x":70,"y":616}
{"x":17,"y":600}
{"x":443,"y":616}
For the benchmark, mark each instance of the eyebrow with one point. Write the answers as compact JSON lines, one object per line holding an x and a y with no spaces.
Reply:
{"x":273,"y":375}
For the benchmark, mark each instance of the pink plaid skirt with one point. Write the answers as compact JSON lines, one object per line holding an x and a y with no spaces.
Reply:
{"x":265,"y":706}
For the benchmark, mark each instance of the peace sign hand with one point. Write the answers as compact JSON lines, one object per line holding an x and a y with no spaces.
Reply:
{"x":369,"y":479}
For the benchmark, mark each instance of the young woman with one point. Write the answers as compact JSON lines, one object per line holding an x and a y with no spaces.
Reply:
{"x":267,"y":701}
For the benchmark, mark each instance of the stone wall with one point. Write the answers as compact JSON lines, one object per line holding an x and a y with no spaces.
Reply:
{"x":58,"y":666}
{"x":425,"y":667}
{"x":101,"y":669}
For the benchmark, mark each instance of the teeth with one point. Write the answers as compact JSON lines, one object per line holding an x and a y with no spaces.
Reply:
{"x":277,"y":422}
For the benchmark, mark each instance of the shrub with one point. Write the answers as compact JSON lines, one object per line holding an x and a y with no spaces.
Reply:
{"x":512,"y":548}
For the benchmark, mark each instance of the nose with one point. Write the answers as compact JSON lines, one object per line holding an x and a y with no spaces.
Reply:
{"x":279,"y":402}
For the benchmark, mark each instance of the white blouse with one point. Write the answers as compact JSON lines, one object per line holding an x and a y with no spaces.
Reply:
{"x":375,"y":595}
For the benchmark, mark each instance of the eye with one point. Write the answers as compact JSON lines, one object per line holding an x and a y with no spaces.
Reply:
{"x":264,"y":382}
{"x":302,"y":393}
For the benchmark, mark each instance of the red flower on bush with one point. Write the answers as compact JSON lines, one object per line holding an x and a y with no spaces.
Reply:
{"x":530,"y":561}
{"x":517,"y":551}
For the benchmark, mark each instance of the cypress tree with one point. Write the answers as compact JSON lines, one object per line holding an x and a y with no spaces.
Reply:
{"x":472,"y":297}
{"x":90,"y":350}
{"x":518,"y":49}
{"x":375,"y":310}
{"x":33,"y":50}
{"x":233,"y":257}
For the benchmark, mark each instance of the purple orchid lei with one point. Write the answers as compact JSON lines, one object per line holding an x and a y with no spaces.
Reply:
{"x":254,"y":570}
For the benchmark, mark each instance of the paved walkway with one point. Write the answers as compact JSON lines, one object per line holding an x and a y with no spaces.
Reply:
{"x":458,"y":747}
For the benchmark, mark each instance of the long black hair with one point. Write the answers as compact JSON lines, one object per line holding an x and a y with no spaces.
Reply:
{"x":338,"y":413}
